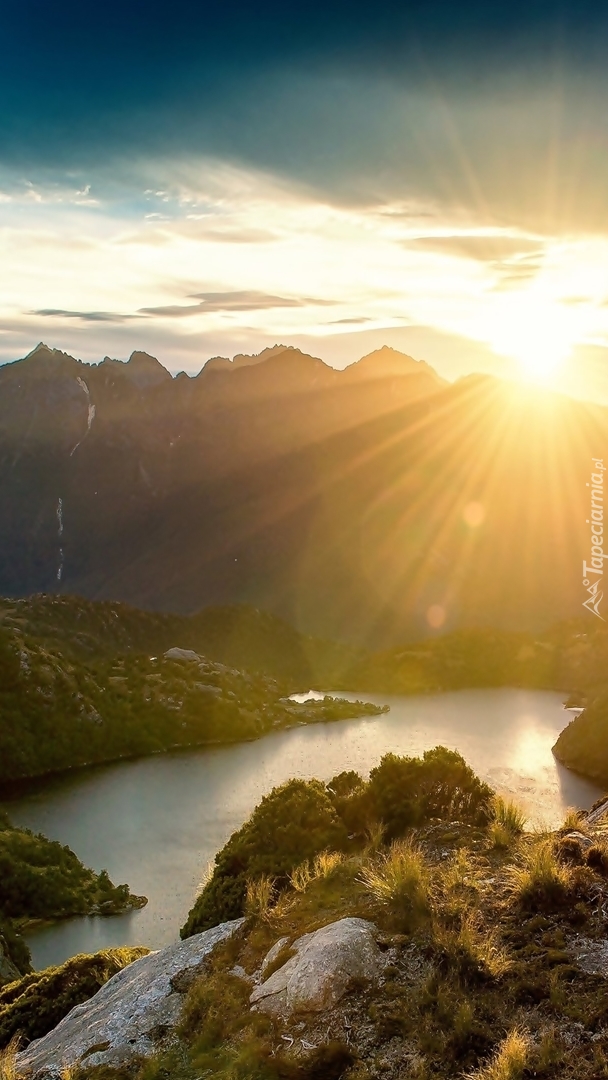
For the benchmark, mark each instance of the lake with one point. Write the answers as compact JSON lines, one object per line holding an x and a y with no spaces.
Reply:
{"x":158,"y":822}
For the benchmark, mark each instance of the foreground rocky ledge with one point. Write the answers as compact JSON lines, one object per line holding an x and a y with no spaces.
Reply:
{"x":130,"y":1014}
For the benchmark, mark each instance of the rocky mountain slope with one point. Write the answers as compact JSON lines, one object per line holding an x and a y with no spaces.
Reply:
{"x":352,"y":503}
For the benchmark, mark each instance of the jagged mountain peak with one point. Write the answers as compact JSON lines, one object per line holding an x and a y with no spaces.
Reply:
{"x":146,"y":370}
{"x":141,"y":368}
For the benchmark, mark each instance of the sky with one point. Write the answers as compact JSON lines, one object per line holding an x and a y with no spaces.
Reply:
{"x":213,"y":178}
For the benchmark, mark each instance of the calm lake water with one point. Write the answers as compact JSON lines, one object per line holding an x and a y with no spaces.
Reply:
{"x":158,"y":822}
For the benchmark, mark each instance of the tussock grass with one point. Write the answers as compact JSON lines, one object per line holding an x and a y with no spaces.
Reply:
{"x":455,"y":887}
{"x":400,"y":880}
{"x":509,"y":1061}
{"x":509,"y":814}
{"x":326,"y":862}
{"x":508,"y":823}
{"x":597,"y":857}
{"x":8,"y":1060}
{"x":458,"y":872}
{"x":471,"y":951}
{"x":374,"y":837}
{"x":540,"y":881}
{"x":574,"y":821}
{"x":261,"y":893}
{"x":501,"y":838}
{"x":301,"y":877}
{"x":322,"y":866}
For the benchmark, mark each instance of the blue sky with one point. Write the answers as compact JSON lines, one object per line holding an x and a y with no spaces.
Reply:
{"x":207,"y":179}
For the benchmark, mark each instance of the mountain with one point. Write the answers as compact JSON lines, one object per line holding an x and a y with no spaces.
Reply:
{"x":370,"y":504}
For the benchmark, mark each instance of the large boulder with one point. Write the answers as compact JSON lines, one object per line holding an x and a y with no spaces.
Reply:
{"x":324,"y":965}
{"x":128,"y":1017}
{"x":181,"y":654}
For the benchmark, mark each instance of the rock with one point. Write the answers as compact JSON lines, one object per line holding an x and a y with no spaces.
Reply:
{"x":8,"y":971}
{"x":324,"y":967}
{"x":584,"y":841}
{"x":181,"y":654}
{"x":271,"y":956}
{"x":129,"y":1015}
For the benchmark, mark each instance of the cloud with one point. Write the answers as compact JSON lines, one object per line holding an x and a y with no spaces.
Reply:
{"x":246,"y":300}
{"x":353,"y":321}
{"x":86,"y":316}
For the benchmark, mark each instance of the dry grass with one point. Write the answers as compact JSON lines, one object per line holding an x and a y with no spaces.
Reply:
{"x":508,"y":823}
{"x":326,"y":862}
{"x":574,"y":821}
{"x":509,"y":1061}
{"x":261,"y":893}
{"x":8,"y":1060}
{"x":322,"y":866}
{"x":540,"y":881}
{"x":400,"y":881}
{"x":374,"y":838}
{"x":471,"y":950}
{"x":301,"y":877}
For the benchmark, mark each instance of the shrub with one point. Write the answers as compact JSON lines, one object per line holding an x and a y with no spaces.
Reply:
{"x":400,"y":881}
{"x":406,"y":791}
{"x":290,"y":826}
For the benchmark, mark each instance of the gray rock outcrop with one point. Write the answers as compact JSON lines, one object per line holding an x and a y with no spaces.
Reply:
{"x":127,"y":1018}
{"x":324,"y":966}
{"x":181,"y":654}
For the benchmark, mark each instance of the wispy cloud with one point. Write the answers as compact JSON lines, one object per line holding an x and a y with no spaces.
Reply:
{"x":85,"y":316}
{"x":239,"y":301}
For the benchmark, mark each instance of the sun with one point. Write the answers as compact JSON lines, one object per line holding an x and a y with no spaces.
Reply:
{"x":538,"y":337}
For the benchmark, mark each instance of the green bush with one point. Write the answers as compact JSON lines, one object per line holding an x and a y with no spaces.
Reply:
{"x":34,"y":1005}
{"x":291,"y":825}
{"x":406,"y":791}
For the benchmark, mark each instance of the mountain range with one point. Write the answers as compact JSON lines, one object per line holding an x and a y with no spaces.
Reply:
{"x":372,"y":504}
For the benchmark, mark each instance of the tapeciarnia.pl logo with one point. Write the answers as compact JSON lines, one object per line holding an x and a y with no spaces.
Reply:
{"x":593,"y":571}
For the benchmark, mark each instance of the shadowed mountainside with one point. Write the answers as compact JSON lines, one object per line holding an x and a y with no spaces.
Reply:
{"x":350,"y":502}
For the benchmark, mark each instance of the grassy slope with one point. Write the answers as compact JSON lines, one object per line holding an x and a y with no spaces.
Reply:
{"x":482,"y":944}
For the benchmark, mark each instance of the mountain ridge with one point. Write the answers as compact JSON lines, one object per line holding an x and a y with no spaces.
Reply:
{"x":373,"y":509}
